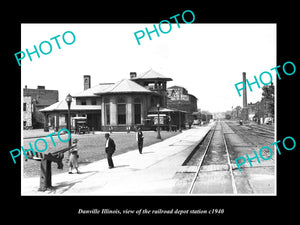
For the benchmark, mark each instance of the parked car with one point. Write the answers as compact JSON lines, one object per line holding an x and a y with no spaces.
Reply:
{"x":196,"y":122}
{"x":82,"y":127}
{"x":268,"y":120}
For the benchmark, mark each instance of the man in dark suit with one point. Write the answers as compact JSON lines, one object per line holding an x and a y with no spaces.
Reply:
{"x":110,"y":148}
{"x":140,"y":139}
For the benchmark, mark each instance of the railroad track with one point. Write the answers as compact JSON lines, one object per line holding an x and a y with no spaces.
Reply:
{"x":252,"y":134}
{"x":246,"y":138}
{"x":262,"y":128}
{"x":254,"y":137}
{"x":213,"y":146}
{"x":265,"y":132}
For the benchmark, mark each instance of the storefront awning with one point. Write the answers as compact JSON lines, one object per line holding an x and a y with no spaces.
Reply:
{"x":155,"y":115}
{"x":63,"y":106}
{"x":164,"y":110}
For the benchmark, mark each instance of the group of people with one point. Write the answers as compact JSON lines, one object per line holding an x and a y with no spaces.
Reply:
{"x":110,"y":148}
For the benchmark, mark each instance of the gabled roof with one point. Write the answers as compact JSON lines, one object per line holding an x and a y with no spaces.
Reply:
{"x":95,"y":89}
{"x":62,"y":105}
{"x":125,"y":86}
{"x":150,"y":75}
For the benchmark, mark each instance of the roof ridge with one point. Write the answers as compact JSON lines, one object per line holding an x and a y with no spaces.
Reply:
{"x":150,"y":74}
{"x":117,"y":84}
{"x":143,"y":74}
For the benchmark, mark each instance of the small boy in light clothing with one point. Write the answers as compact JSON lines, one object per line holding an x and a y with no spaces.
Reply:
{"x":73,"y":160}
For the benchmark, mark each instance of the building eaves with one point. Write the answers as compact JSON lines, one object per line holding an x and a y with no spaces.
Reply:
{"x":63,"y":106}
{"x":125,"y":86}
{"x":150,"y":75}
{"x":91,"y":92}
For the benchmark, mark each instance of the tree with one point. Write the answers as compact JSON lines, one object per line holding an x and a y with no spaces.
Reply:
{"x":268,"y":99}
{"x":238,"y":109}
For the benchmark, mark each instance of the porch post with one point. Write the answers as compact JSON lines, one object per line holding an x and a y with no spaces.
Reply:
{"x":46,"y":121}
{"x":56,"y":122}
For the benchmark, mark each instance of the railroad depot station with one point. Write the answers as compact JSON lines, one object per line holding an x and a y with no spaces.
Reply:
{"x":126,"y":104}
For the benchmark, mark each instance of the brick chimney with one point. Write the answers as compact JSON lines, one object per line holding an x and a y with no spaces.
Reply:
{"x":132,"y":75}
{"x":86,"y":82}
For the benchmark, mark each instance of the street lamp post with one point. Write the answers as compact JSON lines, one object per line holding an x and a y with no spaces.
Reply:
{"x":158,"y":122}
{"x":69,"y":100}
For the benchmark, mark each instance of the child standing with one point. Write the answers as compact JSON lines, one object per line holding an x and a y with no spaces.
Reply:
{"x":73,"y":160}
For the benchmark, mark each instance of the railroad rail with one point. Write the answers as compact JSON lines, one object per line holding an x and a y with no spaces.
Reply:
{"x":202,"y":159}
{"x":262,"y":131}
{"x":252,"y":134}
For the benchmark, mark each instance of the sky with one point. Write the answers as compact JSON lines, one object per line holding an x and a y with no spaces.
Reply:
{"x":206,"y":59}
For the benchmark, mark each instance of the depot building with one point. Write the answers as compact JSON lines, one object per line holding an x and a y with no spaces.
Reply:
{"x":119,"y":106}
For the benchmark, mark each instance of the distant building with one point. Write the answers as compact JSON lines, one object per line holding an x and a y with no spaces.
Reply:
{"x":35,"y":100}
{"x":27,"y":111}
{"x":260,"y":111}
{"x":180,"y":99}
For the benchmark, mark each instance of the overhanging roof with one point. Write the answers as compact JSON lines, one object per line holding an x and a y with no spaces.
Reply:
{"x":152,"y":75}
{"x":125,"y":86}
{"x":95,"y":89}
{"x":63,"y":106}
{"x":164,"y":110}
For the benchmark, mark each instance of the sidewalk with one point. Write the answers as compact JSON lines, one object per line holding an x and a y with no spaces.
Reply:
{"x":134,"y":174}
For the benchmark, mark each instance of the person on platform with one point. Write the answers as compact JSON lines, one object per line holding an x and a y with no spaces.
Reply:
{"x":140,"y":139}
{"x":110,"y":148}
{"x":73,"y":160}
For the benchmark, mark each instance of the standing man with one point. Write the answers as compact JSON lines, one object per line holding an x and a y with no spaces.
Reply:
{"x":140,"y":139}
{"x":110,"y":148}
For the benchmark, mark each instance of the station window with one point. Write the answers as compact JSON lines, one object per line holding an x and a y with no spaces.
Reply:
{"x":121,"y":110}
{"x":107,"y":110}
{"x":107,"y":113}
{"x":83,"y":101}
{"x":137,"y":111}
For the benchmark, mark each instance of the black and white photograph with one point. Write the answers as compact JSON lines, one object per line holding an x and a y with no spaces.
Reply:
{"x":187,"y":112}
{"x":139,"y":111}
